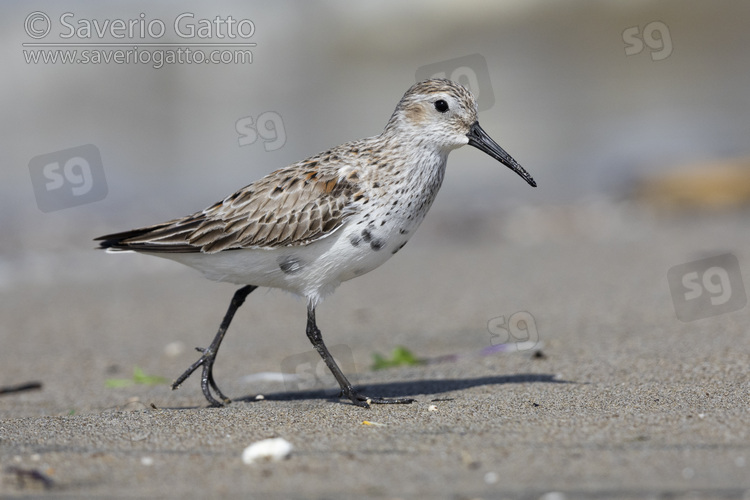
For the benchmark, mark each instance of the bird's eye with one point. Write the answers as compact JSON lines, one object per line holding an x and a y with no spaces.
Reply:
{"x":441,"y":105}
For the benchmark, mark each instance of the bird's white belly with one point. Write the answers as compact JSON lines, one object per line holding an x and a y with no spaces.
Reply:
{"x":312,"y":271}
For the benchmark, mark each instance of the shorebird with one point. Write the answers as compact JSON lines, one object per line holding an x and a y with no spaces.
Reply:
{"x":312,"y":225}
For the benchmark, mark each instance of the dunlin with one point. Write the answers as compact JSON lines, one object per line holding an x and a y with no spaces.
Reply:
{"x":308,"y":227}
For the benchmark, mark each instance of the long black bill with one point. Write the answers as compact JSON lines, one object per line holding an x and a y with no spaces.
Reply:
{"x":483,"y":142}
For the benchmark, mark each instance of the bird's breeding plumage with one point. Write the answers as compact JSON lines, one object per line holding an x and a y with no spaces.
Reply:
{"x":307,"y":227}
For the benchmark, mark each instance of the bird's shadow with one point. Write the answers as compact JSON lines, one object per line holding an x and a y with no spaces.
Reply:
{"x":411,"y":388}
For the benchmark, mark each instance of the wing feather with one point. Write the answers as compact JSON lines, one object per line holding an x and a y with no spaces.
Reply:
{"x":292,"y":206}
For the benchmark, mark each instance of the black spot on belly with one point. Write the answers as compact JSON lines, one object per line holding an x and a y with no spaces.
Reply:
{"x":403,"y":231}
{"x":399,"y":248}
{"x":375,"y":243}
{"x":290,"y":264}
{"x":354,"y":240}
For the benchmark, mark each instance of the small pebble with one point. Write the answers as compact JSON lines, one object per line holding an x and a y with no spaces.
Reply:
{"x":432,"y":408}
{"x":147,"y":461}
{"x":260,"y":396}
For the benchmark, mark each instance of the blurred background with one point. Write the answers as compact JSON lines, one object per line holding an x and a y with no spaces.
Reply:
{"x":622,"y":111}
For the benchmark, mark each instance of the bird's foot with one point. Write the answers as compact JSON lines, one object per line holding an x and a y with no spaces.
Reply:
{"x":207,"y":377}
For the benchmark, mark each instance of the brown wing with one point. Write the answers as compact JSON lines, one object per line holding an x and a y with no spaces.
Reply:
{"x":292,"y":206}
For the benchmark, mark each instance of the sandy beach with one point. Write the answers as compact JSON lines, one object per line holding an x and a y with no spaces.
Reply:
{"x":619,"y":398}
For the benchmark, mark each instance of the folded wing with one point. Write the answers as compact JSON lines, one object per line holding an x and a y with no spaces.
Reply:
{"x":292,"y":206}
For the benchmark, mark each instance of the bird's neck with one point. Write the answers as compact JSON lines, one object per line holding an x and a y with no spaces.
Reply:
{"x":418,"y":165}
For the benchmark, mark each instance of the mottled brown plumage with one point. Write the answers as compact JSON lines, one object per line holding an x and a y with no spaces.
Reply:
{"x":291,"y":206}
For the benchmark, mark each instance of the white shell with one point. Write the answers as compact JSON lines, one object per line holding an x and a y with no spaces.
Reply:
{"x":274,"y":450}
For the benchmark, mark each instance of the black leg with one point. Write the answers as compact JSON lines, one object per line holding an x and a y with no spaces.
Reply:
{"x":209,"y":354}
{"x":313,"y":333}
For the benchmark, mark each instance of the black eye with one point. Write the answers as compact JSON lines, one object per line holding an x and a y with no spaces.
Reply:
{"x":441,"y":105}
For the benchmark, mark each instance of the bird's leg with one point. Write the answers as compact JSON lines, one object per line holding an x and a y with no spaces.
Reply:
{"x":313,"y":333}
{"x":209,"y":354}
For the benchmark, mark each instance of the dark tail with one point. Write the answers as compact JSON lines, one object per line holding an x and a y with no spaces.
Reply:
{"x":118,"y":241}
{"x":168,"y":237}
